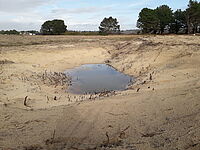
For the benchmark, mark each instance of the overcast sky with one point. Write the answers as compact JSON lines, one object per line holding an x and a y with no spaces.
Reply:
{"x":77,"y":14}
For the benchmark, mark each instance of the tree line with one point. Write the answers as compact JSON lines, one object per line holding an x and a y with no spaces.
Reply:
{"x":163,"y":19}
{"x":55,"y":27}
{"x":10,"y":32}
{"x":155,"y":21}
{"x":15,"y":32}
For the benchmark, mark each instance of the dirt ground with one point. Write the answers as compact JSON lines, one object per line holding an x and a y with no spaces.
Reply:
{"x":161,"y":110}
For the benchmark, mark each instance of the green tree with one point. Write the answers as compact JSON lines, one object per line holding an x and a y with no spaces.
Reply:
{"x":9,"y":32}
{"x":165,"y":16}
{"x":179,"y":21}
{"x":148,"y":21}
{"x":54,"y":27}
{"x":109,"y":26}
{"x":193,"y":16}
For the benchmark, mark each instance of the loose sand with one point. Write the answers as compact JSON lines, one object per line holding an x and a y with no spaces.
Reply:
{"x":161,"y":110}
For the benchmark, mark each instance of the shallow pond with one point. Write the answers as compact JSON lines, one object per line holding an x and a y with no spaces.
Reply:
{"x":95,"y":78}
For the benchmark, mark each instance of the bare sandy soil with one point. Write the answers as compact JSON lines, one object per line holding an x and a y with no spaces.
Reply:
{"x":161,"y":110}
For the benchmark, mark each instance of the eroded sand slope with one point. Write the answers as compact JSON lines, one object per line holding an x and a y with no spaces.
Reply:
{"x":160,"y":111}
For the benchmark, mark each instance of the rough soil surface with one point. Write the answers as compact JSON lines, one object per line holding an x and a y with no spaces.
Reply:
{"x":161,"y":110}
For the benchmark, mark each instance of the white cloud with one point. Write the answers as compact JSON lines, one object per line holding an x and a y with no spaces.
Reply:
{"x":29,"y":14}
{"x":83,"y":10}
{"x":10,"y":25}
{"x":17,"y":6}
{"x":139,"y":3}
{"x":83,"y":27}
{"x":76,"y":11}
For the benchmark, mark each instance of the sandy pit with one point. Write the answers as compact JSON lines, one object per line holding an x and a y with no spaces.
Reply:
{"x":161,"y":110}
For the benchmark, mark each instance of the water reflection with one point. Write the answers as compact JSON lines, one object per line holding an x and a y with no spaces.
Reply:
{"x":95,"y":78}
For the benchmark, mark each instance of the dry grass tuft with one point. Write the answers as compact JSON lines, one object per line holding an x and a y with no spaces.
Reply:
{"x":6,"y":62}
